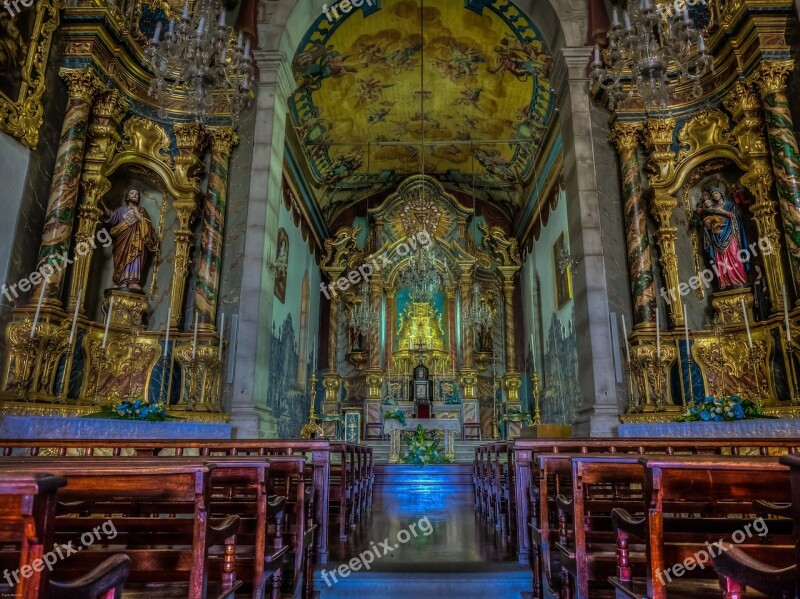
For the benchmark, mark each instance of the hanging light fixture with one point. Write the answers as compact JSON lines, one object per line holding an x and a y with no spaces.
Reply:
{"x":421,"y":276}
{"x":363,"y":318}
{"x":478,"y":313}
{"x":642,"y":47}
{"x":199,"y":53}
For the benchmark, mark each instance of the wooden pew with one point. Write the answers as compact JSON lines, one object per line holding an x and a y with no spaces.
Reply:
{"x":352,"y":477}
{"x":717,"y":497}
{"x":182,"y":544}
{"x":317,"y":454}
{"x":525,"y":477}
{"x":104,"y":582}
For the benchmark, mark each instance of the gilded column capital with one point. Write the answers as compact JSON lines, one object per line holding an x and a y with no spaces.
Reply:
{"x":657,"y":137}
{"x":111,"y":105}
{"x":189,"y":138}
{"x":221,"y":139}
{"x":741,"y":99}
{"x":82,"y":84}
{"x":625,"y":135}
{"x":771,"y":77}
{"x":744,"y":104}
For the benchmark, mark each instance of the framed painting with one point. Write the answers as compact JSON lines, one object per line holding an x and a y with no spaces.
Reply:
{"x":25,"y":38}
{"x":562,"y":279}
{"x":282,"y":257}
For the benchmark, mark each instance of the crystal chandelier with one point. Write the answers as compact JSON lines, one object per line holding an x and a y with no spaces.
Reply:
{"x":644,"y":46}
{"x":421,"y":276}
{"x":199,"y":52}
{"x":479,"y":314}
{"x":363,"y":318}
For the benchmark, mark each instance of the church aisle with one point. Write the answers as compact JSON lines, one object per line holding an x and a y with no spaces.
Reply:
{"x":427,"y":540}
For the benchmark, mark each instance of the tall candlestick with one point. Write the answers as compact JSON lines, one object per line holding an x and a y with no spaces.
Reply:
{"x":38,"y":308}
{"x":314,"y":354}
{"x":658,"y":334}
{"x":747,"y":324}
{"x":686,"y":331}
{"x":74,"y":320}
{"x":786,"y":315}
{"x":625,"y":337}
{"x":108,"y":321}
{"x":533,"y":352}
{"x":221,"y":334}
{"x":194,"y":340}
{"x":169,"y":321}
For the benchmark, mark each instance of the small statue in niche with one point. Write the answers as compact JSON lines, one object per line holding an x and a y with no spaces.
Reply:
{"x":487,"y":344}
{"x":723,"y":235}
{"x":134,"y":238}
{"x":761,"y":302}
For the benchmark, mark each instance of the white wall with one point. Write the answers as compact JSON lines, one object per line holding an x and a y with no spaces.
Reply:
{"x":14,"y":158}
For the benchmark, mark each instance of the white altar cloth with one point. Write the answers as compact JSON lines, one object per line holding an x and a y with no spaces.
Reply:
{"x":393,"y":428}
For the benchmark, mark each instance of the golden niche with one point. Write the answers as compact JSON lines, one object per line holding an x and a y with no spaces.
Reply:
{"x":420,"y":334}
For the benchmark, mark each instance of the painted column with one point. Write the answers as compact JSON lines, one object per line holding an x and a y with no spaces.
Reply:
{"x":508,"y":313}
{"x":771,"y":82}
{"x":206,"y":297}
{"x":332,"y":334}
{"x":744,"y":105}
{"x":640,"y":264}
{"x":466,"y":332}
{"x":390,"y":308}
{"x":82,"y":85}
{"x":375,"y":334}
{"x":107,"y":114}
{"x":451,"y":323}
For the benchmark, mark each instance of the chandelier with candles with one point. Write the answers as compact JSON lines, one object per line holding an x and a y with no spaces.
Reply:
{"x":199,"y":52}
{"x":421,"y":276}
{"x":363,"y":318}
{"x":642,"y":46}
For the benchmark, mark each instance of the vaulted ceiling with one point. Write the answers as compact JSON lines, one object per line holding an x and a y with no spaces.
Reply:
{"x":470,"y":79}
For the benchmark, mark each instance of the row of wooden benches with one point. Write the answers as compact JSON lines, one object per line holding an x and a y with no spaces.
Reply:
{"x":531,"y":491}
{"x":310,"y":477}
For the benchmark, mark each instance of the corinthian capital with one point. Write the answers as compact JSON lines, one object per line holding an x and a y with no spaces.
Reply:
{"x":771,"y":77}
{"x":625,"y":135}
{"x":222,"y":139}
{"x":82,"y":84}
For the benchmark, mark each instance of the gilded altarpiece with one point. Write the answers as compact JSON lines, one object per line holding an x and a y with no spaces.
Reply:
{"x":369,"y":373}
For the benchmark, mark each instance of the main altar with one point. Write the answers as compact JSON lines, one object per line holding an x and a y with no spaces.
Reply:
{"x":421,"y":281}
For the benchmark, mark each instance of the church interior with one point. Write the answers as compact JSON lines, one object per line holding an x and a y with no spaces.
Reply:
{"x":457,"y":298}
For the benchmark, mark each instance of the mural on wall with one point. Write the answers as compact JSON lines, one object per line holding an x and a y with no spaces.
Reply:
{"x":282,"y":256}
{"x":288,"y":402}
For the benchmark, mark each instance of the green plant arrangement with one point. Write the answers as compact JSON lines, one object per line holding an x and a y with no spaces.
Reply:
{"x":134,"y":409}
{"x":398,"y":415}
{"x":422,"y":452}
{"x":725,"y":408}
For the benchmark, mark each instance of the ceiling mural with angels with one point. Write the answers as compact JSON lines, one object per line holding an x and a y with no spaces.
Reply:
{"x":373,"y":85}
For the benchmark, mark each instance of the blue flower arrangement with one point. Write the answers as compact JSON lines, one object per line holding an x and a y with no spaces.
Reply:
{"x":134,"y":409}
{"x":395,"y":415}
{"x":725,"y":408}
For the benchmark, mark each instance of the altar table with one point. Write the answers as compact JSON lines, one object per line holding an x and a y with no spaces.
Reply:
{"x":450,"y":426}
{"x":756,"y":428}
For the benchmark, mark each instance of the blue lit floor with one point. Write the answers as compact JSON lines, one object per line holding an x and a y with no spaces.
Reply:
{"x":452,"y":555}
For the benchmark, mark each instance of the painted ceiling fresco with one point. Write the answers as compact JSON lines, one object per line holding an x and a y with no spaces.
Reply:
{"x":371,"y":85}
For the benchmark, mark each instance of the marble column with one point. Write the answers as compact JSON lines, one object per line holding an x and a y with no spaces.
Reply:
{"x":83,"y":85}
{"x":640,"y":263}
{"x":391,"y":296}
{"x":467,"y":345}
{"x":206,"y":296}
{"x":250,"y":415}
{"x":508,"y":315}
{"x":599,"y":414}
{"x":375,"y":335}
{"x":333,"y":334}
{"x":771,"y":81}
{"x":451,"y":324}
{"x":745,"y":106}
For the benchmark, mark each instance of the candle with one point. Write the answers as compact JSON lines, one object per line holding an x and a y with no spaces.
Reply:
{"x":201,"y":25}
{"x":676,"y":8}
{"x":239,"y":40}
{"x":157,"y":32}
{"x":786,"y":315}
{"x":38,"y":308}
{"x":596,"y":53}
{"x":74,"y":319}
{"x":171,"y":28}
{"x":701,"y":45}
{"x":658,"y":334}
{"x":615,"y":17}
{"x":108,"y":321}
{"x":627,"y":22}
{"x":247,"y":48}
{"x":625,"y":337}
{"x":747,"y":324}
{"x":221,"y":334}
{"x":222,"y":18}
{"x":186,"y":10}
{"x":169,"y":322}
{"x":533,"y":352}
{"x":314,"y":354}
{"x":686,"y":15}
{"x":194,"y":340}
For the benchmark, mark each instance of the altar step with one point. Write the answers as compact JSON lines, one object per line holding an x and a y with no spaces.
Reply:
{"x":481,"y":581}
{"x":389,"y":477}
{"x":464,"y":450}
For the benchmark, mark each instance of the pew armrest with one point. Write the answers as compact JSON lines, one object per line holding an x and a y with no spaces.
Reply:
{"x":736,"y":565}
{"x":108,"y":576}
{"x":218,"y":533}
{"x":622,"y":520}
{"x":783,"y":510}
